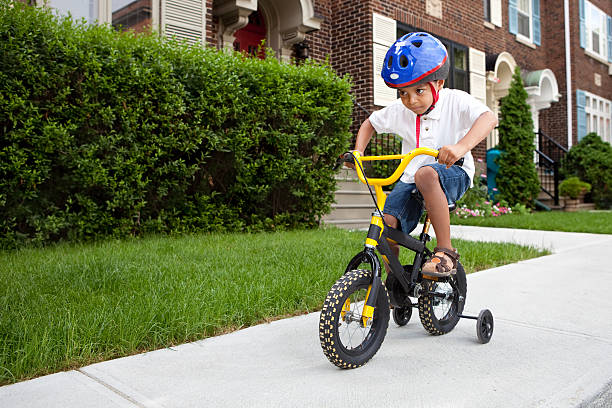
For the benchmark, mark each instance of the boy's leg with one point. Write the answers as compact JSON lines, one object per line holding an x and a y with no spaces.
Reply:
{"x":428,"y":183}
{"x":401,"y":211}
{"x":439,"y":186}
{"x":391,"y":221}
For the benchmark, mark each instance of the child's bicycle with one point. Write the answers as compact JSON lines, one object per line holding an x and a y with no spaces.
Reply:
{"x":355,"y":314}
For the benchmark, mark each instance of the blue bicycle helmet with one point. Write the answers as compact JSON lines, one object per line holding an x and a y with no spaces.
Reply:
{"x":414,"y":59}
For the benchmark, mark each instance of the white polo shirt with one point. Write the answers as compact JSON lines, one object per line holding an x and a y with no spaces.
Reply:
{"x":453,"y":116}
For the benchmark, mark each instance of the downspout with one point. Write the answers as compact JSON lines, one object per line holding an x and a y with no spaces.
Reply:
{"x":568,"y":73}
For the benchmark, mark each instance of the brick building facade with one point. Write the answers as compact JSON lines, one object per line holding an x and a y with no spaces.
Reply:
{"x":487,"y":39}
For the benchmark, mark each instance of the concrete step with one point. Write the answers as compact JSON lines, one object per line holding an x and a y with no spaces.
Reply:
{"x":350,"y":212}
{"x":354,"y":197}
{"x":357,"y":224}
{"x":579,"y":207}
{"x":351,"y":185}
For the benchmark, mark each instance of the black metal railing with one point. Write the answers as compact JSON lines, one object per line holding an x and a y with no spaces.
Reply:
{"x":548,"y":160}
{"x":380,"y":143}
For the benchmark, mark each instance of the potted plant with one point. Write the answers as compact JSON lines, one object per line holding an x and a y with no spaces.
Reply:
{"x":573,"y":189}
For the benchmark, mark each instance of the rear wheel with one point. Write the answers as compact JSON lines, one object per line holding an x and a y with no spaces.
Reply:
{"x":441,"y":302}
{"x":402,"y":315}
{"x":346,"y":341}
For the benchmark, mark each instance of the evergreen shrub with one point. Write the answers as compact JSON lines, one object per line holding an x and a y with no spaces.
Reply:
{"x":591,"y":161}
{"x":517,"y":180}
{"x":116,"y":134}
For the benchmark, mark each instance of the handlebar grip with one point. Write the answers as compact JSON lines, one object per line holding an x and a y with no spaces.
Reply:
{"x":346,"y":157}
{"x":458,"y":162}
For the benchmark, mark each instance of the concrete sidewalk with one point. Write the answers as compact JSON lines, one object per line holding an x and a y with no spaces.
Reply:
{"x":552,"y":347}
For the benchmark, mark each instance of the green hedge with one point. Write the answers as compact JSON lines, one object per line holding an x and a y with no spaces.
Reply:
{"x":591,"y":161}
{"x":108,"y":134}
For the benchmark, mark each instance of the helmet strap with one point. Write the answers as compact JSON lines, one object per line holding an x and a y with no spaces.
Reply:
{"x":435,"y":95}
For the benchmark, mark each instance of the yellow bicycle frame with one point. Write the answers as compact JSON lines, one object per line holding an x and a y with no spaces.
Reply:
{"x":378,"y":183}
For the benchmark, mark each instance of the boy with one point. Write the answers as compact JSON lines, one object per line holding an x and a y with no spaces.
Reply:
{"x":426,"y":115}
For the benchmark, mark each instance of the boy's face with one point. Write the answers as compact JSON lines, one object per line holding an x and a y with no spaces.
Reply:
{"x":419,"y":98}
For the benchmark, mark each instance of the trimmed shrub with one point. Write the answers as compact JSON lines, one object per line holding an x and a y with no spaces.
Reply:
{"x":517,"y":179}
{"x":114,"y":134}
{"x":572,"y":187}
{"x":591,"y":161}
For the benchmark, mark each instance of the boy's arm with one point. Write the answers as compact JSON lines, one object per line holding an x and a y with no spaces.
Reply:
{"x":477,"y":133}
{"x":366,"y":131}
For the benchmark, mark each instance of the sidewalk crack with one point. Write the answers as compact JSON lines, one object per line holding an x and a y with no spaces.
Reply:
{"x":558,"y":331}
{"x":113,"y":389}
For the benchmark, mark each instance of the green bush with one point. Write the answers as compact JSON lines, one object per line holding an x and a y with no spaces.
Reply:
{"x":517,"y":179}
{"x":113,"y":134}
{"x":591,"y":160}
{"x":572,"y":187}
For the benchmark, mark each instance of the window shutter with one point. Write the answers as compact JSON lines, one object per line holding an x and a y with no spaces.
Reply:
{"x":582,"y":24}
{"x":513,"y":17}
{"x":184,"y":19}
{"x":609,"y":39}
{"x":478,"y":81}
{"x":536,"y":21}
{"x":496,"y":12}
{"x":384,"y":33}
{"x":581,"y":114}
{"x":383,"y":95}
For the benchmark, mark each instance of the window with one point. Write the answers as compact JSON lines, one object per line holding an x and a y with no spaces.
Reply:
{"x":524,"y":21}
{"x":596,"y":35}
{"x":131,"y":14}
{"x":88,"y":10}
{"x":125,"y":14}
{"x":458,"y":75}
{"x":524,"y":18}
{"x":598,"y":116}
{"x":487,"y":10}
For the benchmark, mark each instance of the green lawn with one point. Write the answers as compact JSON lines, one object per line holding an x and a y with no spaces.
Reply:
{"x":597,"y":222}
{"x":71,"y":305}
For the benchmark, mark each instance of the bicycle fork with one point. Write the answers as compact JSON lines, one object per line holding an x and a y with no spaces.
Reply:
{"x":369,"y":255}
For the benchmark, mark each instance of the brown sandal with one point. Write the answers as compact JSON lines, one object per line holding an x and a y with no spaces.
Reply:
{"x":442,"y":264}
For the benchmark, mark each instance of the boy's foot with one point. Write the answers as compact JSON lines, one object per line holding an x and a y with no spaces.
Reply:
{"x":442,"y":264}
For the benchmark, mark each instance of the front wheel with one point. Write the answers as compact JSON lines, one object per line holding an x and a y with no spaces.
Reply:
{"x":346,"y":341}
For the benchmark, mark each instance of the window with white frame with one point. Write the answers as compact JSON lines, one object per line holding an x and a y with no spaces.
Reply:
{"x":598,"y":116}
{"x":487,"y":10}
{"x":596,"y":33}
{"x":524,"y":18}
{"x":183,"y":19}
{"x":88,"y":10}
{"x":124,"y":14}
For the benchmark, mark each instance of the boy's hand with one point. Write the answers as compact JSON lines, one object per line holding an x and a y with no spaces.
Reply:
{"x":449,"y":155}
{"x":352,"y":165}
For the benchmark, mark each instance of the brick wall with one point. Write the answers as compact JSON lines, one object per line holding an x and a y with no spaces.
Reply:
{"x":212,"y":26}
{"x":320,"y":42}
{"x":584,"y":67}
{"x":346,"y":38}
{"x":553,"y":121}
{"x":351,"y":46}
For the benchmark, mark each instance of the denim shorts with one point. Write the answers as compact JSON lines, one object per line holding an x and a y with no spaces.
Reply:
{"x":408,"y":210}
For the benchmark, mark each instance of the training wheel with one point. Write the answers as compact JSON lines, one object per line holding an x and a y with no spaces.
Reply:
{"x":484,"y":326}
{"x":402,"y":315}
